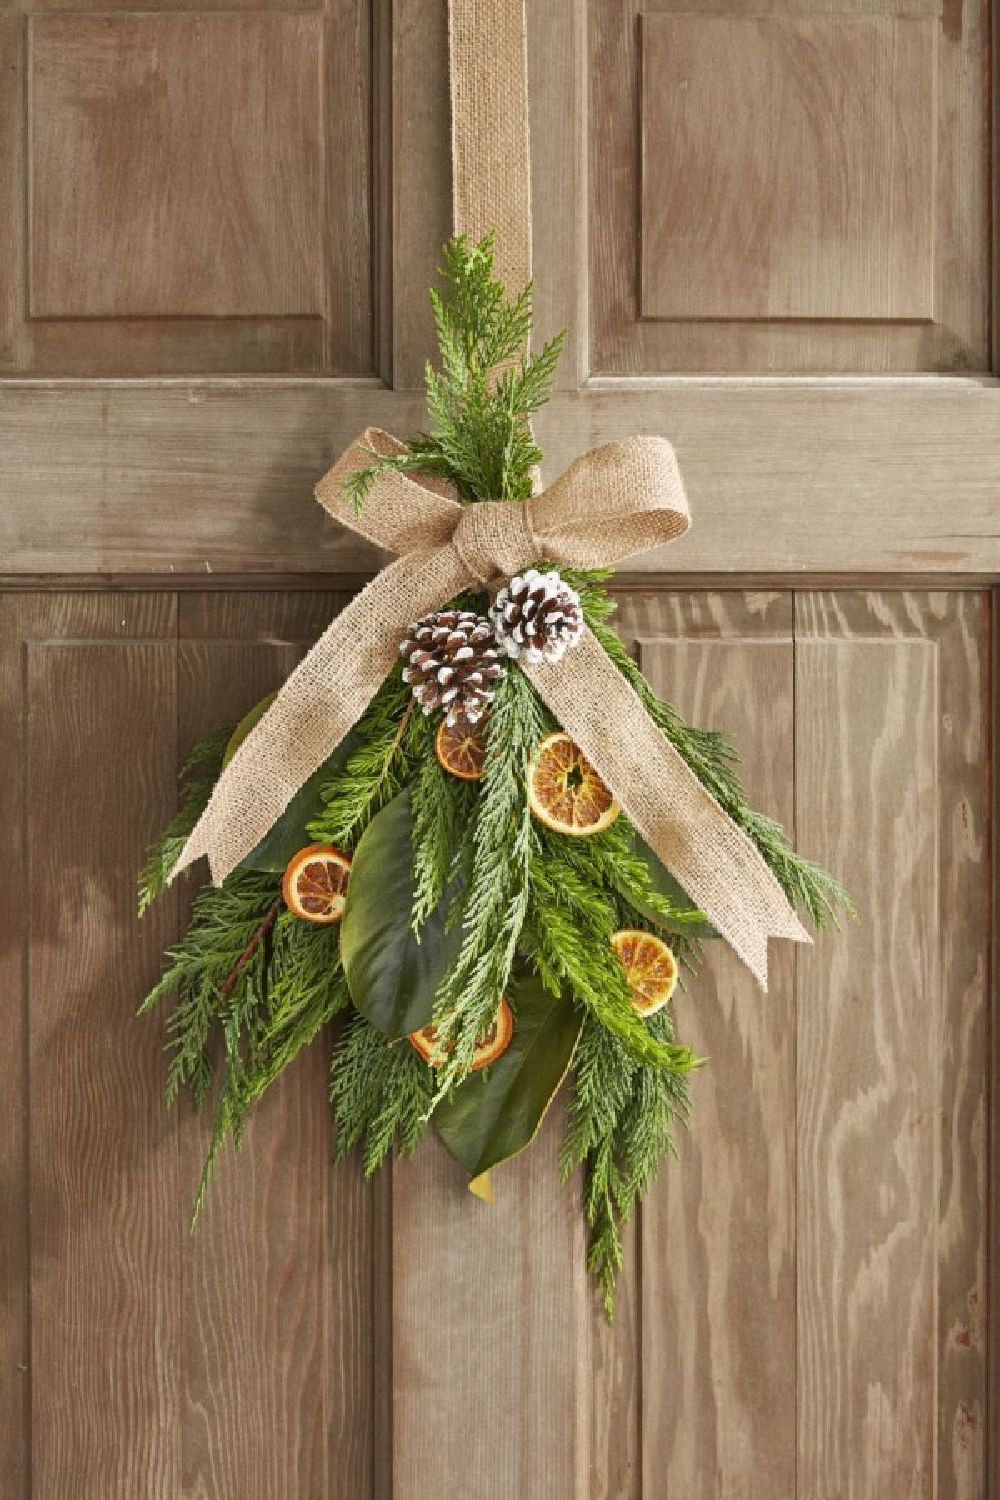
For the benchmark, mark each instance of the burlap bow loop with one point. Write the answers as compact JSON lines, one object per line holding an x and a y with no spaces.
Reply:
{"x":613,"y":502}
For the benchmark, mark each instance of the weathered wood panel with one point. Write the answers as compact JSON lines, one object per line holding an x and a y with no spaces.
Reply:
{"x":841,"y":226}
{"x":880,"y":251}
{"x":490,"y":1310}
{"x":187,"y":192}
{"x":892,"y":1083}
{"x":105,"y":1238}
{"x":718,"y":1259}
{"x":280,"y":1373}
{"x":213,"y":477}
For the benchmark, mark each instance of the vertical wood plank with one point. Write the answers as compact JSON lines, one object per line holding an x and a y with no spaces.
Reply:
{"x":278,"y":1276}
{"x":14,"y":1183}
{"x":421,"y":174}
{"x":557,"y":99}
{"x":12,"y":32}
{"x":718,"y":1231}
{"x":892,"y":1026}
{"x":491,"y":1371}
{"x":105,"y":1236}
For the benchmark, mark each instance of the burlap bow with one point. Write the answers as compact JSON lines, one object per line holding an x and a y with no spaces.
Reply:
{"x":615,"y":501}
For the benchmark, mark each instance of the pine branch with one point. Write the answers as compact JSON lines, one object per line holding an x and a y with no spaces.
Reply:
{"x":256,"y":979}
{"x":496,"y":900}
{"x":621,"y":1125}
{"x":481,"y":401}
{"x":197,"y":779}
{"x":382,"y":764}
{"x":569,"y":929}
{"x":714,"y":759}
{"x":381,"y":1094}
{"x":442,"y":806}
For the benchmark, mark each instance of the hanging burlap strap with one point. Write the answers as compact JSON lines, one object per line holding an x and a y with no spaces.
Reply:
{"x":491,"y":177}
{"x":611,"y":503}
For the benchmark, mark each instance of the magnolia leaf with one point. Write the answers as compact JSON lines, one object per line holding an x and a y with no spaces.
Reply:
{"x":688,"y":920}
{"x":494,"y":1115}
{"x":289,"y":833}
{"x":393,"y":976}
{"x":249,"y":721}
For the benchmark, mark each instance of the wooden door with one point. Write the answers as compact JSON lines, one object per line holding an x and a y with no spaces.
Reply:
{"x":770,"y":234}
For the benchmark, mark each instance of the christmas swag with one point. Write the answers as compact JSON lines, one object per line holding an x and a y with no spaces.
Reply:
{"x":490,"y":863}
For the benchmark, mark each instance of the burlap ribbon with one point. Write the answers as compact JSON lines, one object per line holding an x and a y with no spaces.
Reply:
{"x":613,"y":502}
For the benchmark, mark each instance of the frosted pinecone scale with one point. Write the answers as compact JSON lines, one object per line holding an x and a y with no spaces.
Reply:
{"x":537,"y":617}
{"x":452,"y":664}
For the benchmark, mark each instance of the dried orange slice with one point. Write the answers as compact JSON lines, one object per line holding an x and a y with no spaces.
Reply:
{"x":494,"y":1040}
{"x":565,"y":792}
{"x":315,"y":883}
{"x":650,"y":967}
{"x":461,"y":748}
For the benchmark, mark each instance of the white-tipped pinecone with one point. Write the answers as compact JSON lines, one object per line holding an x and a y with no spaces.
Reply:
{"x":537,"y":616}
{"x":452,"y":663}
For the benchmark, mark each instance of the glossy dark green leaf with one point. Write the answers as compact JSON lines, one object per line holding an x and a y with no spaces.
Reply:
{"x":290,"y":833}
{"x":665,"y":885}
{"x":249,"y":721}
{"x":392,"y":976}
{"x":494,"y":1115}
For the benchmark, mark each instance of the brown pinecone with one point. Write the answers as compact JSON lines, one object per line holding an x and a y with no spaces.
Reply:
{"x":452,"y":664}
{"x":537,"y":616}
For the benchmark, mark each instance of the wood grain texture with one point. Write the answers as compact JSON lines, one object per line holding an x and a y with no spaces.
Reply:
{"x":105,"y":1237}
{"x":490,"y":1311}
{"x":26,"y":620}
{"x":630,"y":337}
{"x":11,"y":187}
{"x":277,"y":1278}
{"x":719,"y":1230}
{"x":15,"y":1193}
{"x":866,"y":1074}
{"x":202,"y":477}
{"x":892,"y":1043}
{"x":206,"y":202}
{"x":245,"y":141}
{"x":421,"y":179}
{"x":829,"y":122}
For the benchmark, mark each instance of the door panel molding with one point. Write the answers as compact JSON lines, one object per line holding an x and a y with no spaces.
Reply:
{"x":195,"y":477}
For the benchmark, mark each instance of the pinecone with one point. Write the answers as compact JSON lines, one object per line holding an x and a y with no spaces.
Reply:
{"x":452,"y":664}
{"x":537,"y":616}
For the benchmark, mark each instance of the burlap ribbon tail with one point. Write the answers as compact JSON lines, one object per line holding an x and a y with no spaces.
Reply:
{"x":614,"y":501}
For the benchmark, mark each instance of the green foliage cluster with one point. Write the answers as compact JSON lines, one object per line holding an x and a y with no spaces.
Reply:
{"x":481,"y":401}
{"x":529,"y":913}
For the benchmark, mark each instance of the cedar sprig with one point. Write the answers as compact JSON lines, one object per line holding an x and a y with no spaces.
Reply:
{"x":501,"y":842}
{"x":621,"y":1125}
{"x":383,"y":762}
{"x":442,"y":806}
{"x":569,"y":930}
{"x":481,"y":401}
{"x":714,"y":759}
{"x":197,"y":778}
{"x":381,"y":1093}
{"x":256,"y":980}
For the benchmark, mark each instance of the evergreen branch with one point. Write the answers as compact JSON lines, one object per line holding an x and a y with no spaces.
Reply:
{"x":714,"y":759}
{"x":570,"y":930}
{"x":232,"y":979}
{"x":496,"y":900}
{"x":481,"y":401}
{"x":373,"y":773}
{"x":257,"y":978}
{"x":197,"y":778}
{"x":381,"y":1093}
{"x":441,"y":810}
{"x":621,"y":1124}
